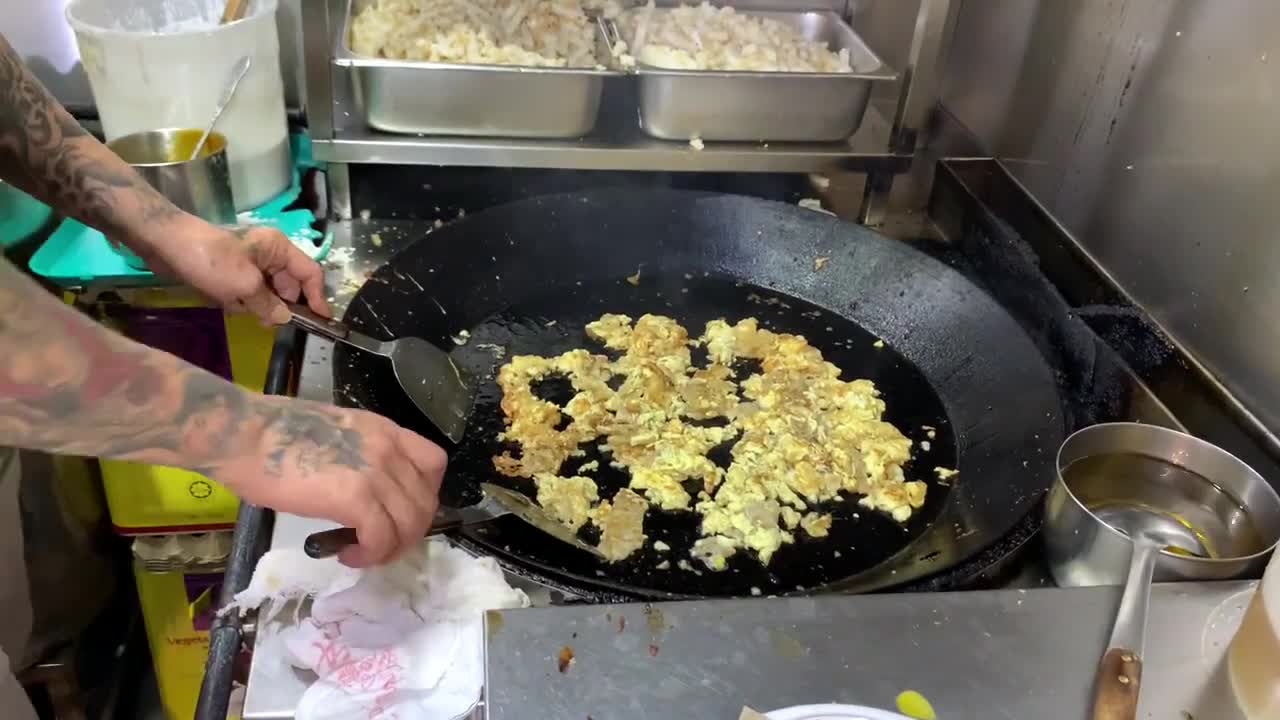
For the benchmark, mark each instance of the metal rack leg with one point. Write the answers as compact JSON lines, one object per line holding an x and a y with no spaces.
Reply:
{"x":339,"y":176}
{"x":930,"y":42}
{"x":875,"y":199}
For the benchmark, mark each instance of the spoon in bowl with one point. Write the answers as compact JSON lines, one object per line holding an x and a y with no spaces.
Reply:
{"x":238,"y":72}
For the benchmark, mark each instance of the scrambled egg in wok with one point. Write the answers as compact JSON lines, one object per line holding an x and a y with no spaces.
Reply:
{"x":800,"y":436}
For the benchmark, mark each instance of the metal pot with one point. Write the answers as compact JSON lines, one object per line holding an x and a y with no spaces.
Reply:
{"x":1188,"y":511}
{"x":201,"y":186}
{"x":1232,"y":508}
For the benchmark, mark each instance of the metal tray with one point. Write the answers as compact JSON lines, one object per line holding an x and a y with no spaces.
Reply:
{"x":764,"y":106}
{"x":412,"y":97}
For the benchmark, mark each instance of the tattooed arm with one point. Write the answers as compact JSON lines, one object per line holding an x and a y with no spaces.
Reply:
{"x":71,"y":386}
{"x":68,"y":385}
{"x":45,"y":152}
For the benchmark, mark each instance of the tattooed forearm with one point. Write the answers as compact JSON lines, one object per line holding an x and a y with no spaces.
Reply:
{"x":71,"y":386}
{"x":44,"y":151}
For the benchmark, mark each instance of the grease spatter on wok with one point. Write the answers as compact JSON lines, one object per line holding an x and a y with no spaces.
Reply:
{"x":800,"y":435}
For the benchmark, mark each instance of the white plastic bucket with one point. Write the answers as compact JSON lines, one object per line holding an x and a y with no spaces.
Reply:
{"x":163,"y":63}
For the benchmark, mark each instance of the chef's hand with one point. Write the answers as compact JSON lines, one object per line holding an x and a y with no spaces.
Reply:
{"x":249,"y":268}
{"x":350,"y":466}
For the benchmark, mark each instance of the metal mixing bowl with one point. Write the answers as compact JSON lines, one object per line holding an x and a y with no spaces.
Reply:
{"x":201,"y":186}
{"x":1230,"y":507}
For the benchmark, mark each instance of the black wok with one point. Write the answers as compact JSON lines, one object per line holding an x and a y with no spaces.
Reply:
{"x":527,"y":276}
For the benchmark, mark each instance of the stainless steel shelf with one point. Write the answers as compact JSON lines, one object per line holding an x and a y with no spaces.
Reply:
{"x":619,"y":149}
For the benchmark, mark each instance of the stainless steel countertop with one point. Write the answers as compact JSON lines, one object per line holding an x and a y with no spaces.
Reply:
{"x":1017,"y":654}
{"x":983,"y":655}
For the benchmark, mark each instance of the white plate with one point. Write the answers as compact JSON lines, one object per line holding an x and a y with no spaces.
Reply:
{"x":833,"y":712}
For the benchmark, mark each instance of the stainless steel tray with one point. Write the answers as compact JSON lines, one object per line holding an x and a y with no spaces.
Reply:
{"x":402,"y":96}
{"x":765,"y":106}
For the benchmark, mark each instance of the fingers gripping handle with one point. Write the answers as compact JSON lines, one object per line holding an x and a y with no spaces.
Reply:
{"x":303,"y":317}
{"x":328,"y":543}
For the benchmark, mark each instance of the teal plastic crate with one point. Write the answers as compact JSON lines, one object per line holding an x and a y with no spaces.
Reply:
{"x":77,"y":255}
{"x":21,"y":216}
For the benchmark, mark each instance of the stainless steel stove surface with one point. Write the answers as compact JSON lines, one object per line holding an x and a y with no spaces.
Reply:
{"x":396,"y":206}
{"x":1107,"y":357}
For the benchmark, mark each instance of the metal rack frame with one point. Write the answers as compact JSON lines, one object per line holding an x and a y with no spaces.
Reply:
{"x":882,"y":148}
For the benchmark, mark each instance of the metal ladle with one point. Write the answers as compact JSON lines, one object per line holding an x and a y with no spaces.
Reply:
{"x":237,"y":74}
{"x":1116,"y":687}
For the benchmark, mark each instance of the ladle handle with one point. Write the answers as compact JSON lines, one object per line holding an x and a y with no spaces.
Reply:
{"x":238,"y":72}
{"x":1115,"y":690}
{"x":1119,"y":678}
{"x":234,"y":10}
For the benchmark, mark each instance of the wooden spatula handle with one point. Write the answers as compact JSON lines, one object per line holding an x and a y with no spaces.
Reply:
{"x":327,"y":543}
{"x":234,"y":11}
{"x":1115,"y":690}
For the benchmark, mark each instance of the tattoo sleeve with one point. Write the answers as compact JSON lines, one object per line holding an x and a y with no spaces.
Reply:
{"x":71,"y":386}
{"x":45,"y":152}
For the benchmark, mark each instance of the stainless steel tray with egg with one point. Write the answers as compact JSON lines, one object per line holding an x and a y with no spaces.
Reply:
{"x":765,"y":106}
{"x":417,"y":97}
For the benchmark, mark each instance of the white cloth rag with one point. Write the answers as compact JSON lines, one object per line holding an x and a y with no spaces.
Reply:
{"x":402,"y":641}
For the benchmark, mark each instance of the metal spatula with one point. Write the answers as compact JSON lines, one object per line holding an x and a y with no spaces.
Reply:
{"x":428,"y":375}
{"x":498,"y":502}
